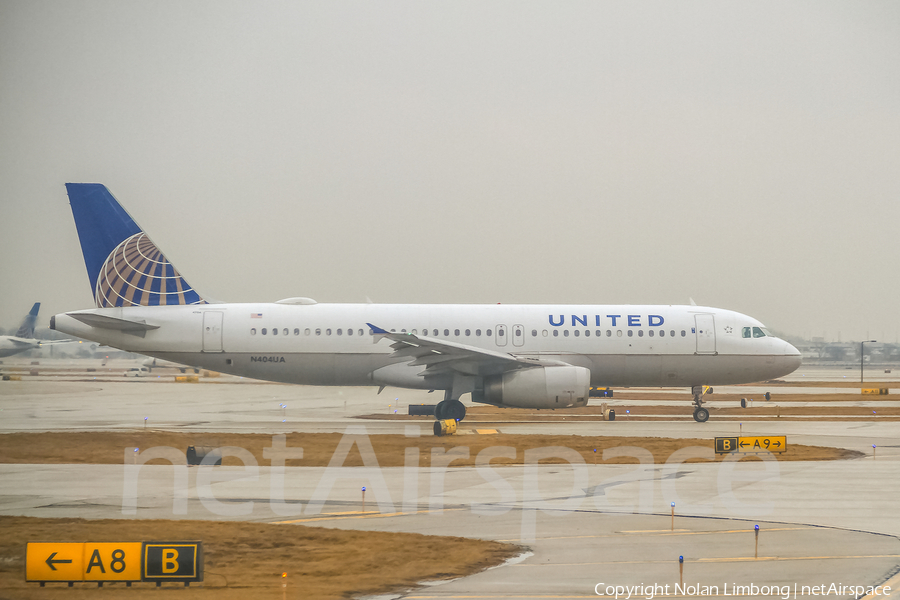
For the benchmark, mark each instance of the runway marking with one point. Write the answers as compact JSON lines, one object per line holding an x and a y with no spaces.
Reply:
{"x":354,"y":515}
{"x":708,"y":560}
{"x":662,"y":532}
{"x":366,"y":515}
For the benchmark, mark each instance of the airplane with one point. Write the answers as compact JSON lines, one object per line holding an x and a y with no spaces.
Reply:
{"x":529,"y":356}
{"x":24,"y":338}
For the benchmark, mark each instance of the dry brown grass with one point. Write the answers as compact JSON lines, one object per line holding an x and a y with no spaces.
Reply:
{"x":318,"y":448}
{"x":246,"y":560}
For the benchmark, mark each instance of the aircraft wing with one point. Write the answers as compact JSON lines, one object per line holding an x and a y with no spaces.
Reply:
{"x":442,"y":356}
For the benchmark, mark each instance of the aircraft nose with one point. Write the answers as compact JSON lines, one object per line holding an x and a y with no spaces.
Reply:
{"x":792,"y":358}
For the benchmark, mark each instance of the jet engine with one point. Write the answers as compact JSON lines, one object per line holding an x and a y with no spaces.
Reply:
{"x":537,"y":387}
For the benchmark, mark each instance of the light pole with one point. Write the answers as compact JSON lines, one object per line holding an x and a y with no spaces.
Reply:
{"x":862,"y":350}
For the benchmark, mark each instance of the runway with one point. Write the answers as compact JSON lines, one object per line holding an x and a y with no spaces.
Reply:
{"x":580,"y":524}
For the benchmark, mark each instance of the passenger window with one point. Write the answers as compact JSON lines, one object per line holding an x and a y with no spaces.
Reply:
{"x":340,"y":331}
{"x":587,"y":333}
{"x":577,"y":333}
{"x":318,"y":331}
{"x":456,"y":332}
{"x":566,"y":333}
{"x":598,"y":333}
{"x":468,"y":332}
{"x":650,"y":333}
{"x":609,"y":333}
{"x":544,"y":333}
{"x":631,"y":333}
{"x":296,"y":331}
{"x":306,"y":331}
{"x":284,"y":331}
{"x":556,"y":333}
{"x":274,"y":331}
{"x":758,"y":333}
{"x":478,"y":332}
{"x":253,"y":331}
{"x":487,"y":332}
{"x":662,"y":333}
{"x":401,"y":331}
{"x":264,"y":331}
{"x":350,"y":332}
{"x":328,"y":332}
{"x":501,"y":332}
{"x":534,"y":333}
{"x":435,"y":333}
{"x":683,"y":333}
{"x":518,"y":333}
{"x":619,"y":332}
{"x":446,"y":333}
{"x":360,"y":332}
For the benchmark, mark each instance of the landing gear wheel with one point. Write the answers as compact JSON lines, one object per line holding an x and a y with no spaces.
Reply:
{"x":455,"y":410}
{"x":439,"y":410}
{"x":701,"y":415}
{"x":450,"y":409}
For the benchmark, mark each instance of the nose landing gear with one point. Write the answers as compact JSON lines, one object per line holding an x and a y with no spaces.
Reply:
{"x":701,"y":415}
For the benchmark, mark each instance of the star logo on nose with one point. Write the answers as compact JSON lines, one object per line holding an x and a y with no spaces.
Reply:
{"x":728,"y":329}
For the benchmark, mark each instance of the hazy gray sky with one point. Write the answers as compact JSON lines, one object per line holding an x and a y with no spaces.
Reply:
{"x":746,"y":155}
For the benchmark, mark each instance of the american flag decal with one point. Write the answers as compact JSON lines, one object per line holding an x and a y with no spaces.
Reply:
{"x":256,"y":315}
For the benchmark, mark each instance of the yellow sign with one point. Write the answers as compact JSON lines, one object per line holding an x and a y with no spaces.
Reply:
{"x":761,"y":443}
{"x":47,"y":561}
{"x":771,"y":443}
{"x":112,"y":561}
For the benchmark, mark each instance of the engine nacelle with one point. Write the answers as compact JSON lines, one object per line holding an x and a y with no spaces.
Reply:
{"x":538,"y":387}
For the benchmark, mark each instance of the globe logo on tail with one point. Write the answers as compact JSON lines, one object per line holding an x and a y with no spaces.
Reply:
{"x":136,"y":273}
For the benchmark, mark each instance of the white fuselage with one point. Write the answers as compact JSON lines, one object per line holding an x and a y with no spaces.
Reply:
{"x":331,"y":344}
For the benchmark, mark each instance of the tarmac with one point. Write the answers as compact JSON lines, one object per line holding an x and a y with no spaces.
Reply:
{"x":820,"y":523}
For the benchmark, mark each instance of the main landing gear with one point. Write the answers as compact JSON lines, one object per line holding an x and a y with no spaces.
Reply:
{"x":450,"y":408}
{"x":701,"y":415}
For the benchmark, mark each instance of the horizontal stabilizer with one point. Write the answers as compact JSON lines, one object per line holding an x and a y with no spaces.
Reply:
{"x":108,"y":322}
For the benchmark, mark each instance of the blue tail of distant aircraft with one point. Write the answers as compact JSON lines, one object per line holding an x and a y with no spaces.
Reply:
{"x":26,"y":330}
{"x":124,"y":265}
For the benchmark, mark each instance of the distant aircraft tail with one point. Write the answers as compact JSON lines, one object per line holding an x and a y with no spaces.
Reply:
{"x":124,"y":265}
{"x":26,"y":330}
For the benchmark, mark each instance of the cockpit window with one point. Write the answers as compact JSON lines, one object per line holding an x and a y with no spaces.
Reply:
{"x":745,"y":332}
{"x":758,"y":332}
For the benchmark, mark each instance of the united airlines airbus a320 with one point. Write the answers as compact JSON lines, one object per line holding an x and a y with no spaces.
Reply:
{"x":533,"y":356}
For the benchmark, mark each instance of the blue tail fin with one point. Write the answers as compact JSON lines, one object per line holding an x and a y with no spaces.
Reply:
{"x":125,"y":267}
{"x":26,"y":330}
